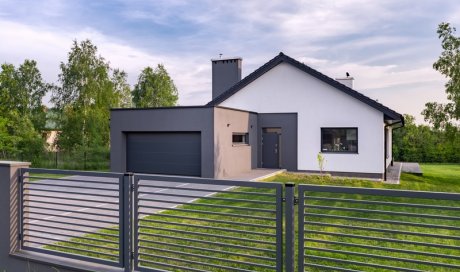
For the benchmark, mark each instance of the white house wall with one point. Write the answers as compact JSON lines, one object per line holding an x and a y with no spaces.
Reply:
{"x":287,"y":89}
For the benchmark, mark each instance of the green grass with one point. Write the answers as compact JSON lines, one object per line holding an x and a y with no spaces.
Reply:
{"x":157,"y":228}
{"x":41,"y":176}
{"x":436,"y":177}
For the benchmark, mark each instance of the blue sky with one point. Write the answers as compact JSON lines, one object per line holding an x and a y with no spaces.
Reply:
{"x":388,"y":46}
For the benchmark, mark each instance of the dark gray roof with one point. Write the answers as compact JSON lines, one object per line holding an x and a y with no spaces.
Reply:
{"x":388,"y":113}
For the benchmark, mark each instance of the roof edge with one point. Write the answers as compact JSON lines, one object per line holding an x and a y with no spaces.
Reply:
{"x":281,"y":57}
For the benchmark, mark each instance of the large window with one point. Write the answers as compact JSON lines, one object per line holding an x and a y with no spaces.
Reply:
{"x":339,"y":140}
{"x":240,"y":138}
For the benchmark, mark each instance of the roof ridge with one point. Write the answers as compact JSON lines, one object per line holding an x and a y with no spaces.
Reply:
{"x":337,"y":82}
{"x":281,"y":57}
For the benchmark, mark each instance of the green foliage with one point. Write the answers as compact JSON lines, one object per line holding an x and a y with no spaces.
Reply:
{"x":80,"y":159}
{"x":421,"y":143}
{"x":448,"y":64}
{"x":89,"y":88}
{"x":22,"y":116}
{"x":155,"y":88}
{"x":321,"y":161}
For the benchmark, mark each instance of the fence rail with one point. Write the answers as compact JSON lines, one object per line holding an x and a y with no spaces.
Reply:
{"x":165,"y":223}
{"x":72,"y":214}
{"x":360,"y":229}
{"x":224,"y":225}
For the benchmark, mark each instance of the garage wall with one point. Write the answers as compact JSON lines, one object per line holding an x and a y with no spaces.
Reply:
{"x":230,"y":159}
{"x":199,"y":119}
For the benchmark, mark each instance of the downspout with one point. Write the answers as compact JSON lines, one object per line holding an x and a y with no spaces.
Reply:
{"x":386,"y":142}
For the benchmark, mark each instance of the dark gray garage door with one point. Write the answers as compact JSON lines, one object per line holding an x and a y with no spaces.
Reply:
{"x":168,"y":153}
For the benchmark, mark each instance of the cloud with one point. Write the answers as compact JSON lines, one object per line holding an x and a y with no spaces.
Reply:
{"x":389,"y":46}
{"x":49,"y":47}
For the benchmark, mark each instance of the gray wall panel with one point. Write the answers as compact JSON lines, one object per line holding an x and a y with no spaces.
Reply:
{"x":186,"y":119}
{"x":288,"y":143}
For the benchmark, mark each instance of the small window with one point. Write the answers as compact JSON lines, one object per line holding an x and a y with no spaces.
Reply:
{"x":240,"y":138}
{"x":339,"y":140}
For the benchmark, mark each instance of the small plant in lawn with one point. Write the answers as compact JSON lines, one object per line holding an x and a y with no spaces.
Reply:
{"x":321,"y":162}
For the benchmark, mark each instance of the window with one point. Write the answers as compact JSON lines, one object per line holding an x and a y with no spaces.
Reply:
{"x":339,"y":140}
{"x":240,"y":138}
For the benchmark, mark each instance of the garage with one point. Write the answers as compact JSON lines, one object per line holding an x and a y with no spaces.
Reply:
{"x":167,"y":153}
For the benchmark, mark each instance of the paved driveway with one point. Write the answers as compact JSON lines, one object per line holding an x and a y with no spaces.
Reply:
{"x":91,"y":203}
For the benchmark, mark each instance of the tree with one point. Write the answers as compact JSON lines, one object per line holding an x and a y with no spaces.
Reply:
{"x":122,"y":89}
{"x":22,"y":115}
{"x":423,"y":143}
{"x":89,"y":88}
{"x":154,"y":88}
{"x":30,"y":92}
{"x":448,"y":64}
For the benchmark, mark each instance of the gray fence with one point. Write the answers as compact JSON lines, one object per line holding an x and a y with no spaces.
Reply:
{"x":221,"y":232}
{"x":79,"y":216}
{"x":164,"y":223}
{"x":360,"y":229}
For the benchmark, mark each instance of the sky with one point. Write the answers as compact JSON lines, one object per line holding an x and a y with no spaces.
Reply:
{"x":388,"y":46}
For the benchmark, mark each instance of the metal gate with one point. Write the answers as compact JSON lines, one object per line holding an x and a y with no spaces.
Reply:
{"x":196,"y":224}
{"x":169,"y":223}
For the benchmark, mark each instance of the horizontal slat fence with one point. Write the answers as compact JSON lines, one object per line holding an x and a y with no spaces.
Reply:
{"x":169,"y":223}
{"x":72,"y":214}
{"x":192,"y":224}
{"x":359,"y":229}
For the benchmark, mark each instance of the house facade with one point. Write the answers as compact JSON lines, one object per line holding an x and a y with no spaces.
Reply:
{"x":280,"y":116}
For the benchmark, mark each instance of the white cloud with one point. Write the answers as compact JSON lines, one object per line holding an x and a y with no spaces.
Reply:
{"x":332,"y":36}
{"x":49,"y":47}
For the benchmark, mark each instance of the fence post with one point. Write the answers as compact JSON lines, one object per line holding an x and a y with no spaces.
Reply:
{"x":300,"y":230}
{"x":125,"y":226}
{"x":290,"y":229}
{"x":9,"y":209}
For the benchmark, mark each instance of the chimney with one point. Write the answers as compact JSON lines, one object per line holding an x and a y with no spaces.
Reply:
{"x":347,"y":81}
{"x":226,"y":72}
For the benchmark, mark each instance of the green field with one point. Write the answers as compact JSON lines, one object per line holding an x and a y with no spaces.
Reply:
{"x":183,"y":248}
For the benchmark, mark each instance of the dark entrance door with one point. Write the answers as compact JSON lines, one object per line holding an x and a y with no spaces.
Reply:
{"x":270,"y":149}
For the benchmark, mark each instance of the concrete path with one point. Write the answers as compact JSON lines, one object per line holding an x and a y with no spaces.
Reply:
{"x":412,"y":168}
{"x":51,"y":213}
{"x":394,"y":173}
{"x":257,"y":174}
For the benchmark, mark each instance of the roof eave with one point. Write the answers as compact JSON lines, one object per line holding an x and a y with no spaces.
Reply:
{"x":391,"y":114}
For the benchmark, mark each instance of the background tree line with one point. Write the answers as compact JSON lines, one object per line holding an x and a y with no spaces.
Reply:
{"x":87,"y":88}
{"x":440,"y":141}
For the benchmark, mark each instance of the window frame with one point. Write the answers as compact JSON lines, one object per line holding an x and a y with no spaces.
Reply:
{"x":245,"y":138}
{"x":340,"y":152}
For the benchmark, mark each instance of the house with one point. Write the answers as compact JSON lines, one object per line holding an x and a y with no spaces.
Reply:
{"x":51,"y":132}
{"x":280,"y":116}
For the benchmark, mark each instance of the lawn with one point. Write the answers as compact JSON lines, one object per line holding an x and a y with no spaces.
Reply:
{"x":44,"y":176}
{"x":174,"y":241}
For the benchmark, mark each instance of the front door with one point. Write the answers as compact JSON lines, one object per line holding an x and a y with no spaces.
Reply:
{"x":270,"y":149}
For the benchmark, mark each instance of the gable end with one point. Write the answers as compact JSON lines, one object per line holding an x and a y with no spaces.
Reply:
{"x":388,"y":113}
